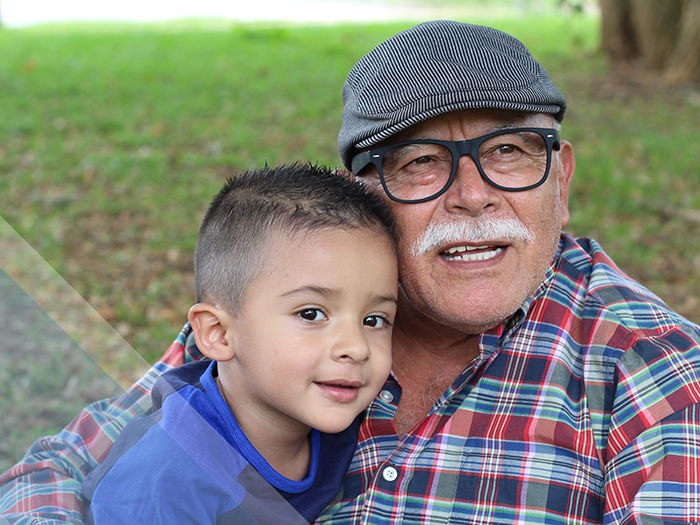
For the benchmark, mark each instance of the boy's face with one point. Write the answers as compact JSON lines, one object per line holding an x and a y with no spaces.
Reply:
{"x":312,"y":340}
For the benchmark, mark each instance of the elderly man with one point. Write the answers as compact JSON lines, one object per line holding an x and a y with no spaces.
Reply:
{"x":533,"y":382}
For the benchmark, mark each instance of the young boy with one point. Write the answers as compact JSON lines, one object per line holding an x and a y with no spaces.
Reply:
{"x":296,"y":283}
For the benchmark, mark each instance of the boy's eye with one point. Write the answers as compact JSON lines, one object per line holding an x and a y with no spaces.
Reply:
{"x":376,"y":321}
{"x":312,"y":314}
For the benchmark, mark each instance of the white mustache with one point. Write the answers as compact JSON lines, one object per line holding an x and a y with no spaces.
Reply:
{"x":472,"y":230}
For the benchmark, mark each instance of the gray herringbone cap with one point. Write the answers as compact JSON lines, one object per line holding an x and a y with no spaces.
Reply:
{"x":435,"y":68}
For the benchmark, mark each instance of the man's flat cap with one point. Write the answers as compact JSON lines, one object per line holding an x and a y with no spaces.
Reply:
{"x":438,"y":67}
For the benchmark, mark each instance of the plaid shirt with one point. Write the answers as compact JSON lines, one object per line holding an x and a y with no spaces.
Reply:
{"x":584,"y":407}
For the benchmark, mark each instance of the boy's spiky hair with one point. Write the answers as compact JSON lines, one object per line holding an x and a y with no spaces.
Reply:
{"x":289,"y":199}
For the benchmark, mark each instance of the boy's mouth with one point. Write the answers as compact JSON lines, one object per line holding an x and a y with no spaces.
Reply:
{"x":340,"y":383}
{"x":340,"y":390}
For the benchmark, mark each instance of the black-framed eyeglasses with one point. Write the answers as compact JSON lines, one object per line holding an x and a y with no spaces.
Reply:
{"x":515,"y":159}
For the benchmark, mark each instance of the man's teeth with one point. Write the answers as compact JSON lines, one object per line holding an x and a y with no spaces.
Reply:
{"x":460,"y":249}
{"x":459,"y":253}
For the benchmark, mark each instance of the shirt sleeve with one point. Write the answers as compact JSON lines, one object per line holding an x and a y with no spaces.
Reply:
{"x":148,"y":483}
{"x":656,"y":478}
{"x":45,"y":486}
{"x":653,"y":467}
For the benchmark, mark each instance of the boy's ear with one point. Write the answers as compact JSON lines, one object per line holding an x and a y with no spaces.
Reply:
{"x":210,"y":325}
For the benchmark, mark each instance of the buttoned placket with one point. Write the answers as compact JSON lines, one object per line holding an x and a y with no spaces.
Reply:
{"x":391,"y":474}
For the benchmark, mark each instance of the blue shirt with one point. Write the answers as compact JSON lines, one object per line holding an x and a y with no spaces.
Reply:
{"x":188,"y":461}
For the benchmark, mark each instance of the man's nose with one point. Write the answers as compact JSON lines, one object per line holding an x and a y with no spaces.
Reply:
{"x":469,"y":192}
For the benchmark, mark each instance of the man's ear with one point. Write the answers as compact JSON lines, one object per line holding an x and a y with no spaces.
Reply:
{"x":567,"y":167}
{"x":211,"y":325}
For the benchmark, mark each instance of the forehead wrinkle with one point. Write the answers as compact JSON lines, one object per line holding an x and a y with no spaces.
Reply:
{"x":408,"y":137}
{"x":508,"y":120}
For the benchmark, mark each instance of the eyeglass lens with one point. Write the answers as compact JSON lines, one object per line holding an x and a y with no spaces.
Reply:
{"x":420,"y":170}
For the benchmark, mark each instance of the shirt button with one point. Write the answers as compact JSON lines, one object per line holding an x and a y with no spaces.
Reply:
{"x":390,"y":474}
{"x":387,"y":396}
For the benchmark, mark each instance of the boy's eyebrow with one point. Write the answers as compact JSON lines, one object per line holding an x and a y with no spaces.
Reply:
{"x":385,"y":299}
{"x":320,"y":290}
{"x":332,"y":292}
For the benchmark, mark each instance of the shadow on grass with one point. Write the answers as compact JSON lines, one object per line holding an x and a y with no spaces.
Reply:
{"x":45,"y":377}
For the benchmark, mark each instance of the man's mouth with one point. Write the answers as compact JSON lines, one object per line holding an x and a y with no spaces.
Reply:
{"x":471,"y":253}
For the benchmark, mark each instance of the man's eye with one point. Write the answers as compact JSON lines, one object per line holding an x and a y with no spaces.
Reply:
{"x":507,"y":148}
{"x":425,"y":159}
{"x":376,"y":321}
{"x":312,"y":314}
{"x":503,"y":150}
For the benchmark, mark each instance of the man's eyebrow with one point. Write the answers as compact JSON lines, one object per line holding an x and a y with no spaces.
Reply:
{"x":311,"y":288}
{"x":507,"y":125}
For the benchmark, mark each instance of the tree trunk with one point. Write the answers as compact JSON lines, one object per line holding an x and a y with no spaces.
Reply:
{"x":617,"y":34}
{"x":662,"y":36}
{"x":656,"y":26}
{"x":684,"y":65}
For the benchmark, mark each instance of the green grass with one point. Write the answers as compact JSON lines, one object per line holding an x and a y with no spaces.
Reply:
{"x":113,"y":138}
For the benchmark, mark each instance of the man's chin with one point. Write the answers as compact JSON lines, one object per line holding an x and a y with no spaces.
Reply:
{"x":472,"y":325}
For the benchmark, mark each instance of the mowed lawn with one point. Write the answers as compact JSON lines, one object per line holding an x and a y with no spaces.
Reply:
{"x":114,"y":138}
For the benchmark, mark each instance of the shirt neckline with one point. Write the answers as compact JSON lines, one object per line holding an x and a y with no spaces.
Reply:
{"x":246,"y":448}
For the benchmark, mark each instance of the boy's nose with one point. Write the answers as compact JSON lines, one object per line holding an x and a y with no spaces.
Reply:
{"x":351,"y":345}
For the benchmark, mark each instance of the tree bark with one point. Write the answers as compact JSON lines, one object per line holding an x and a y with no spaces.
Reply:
{"x":617,"y":35}
{"x":661,"y":36}
{"x":684,"y":65}
{"x":656,"y":26}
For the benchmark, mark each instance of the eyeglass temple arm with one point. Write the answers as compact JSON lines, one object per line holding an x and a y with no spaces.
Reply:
{"x":360,"y":162}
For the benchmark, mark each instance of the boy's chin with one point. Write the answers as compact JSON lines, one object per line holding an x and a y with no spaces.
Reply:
{"x":334,"y":427}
